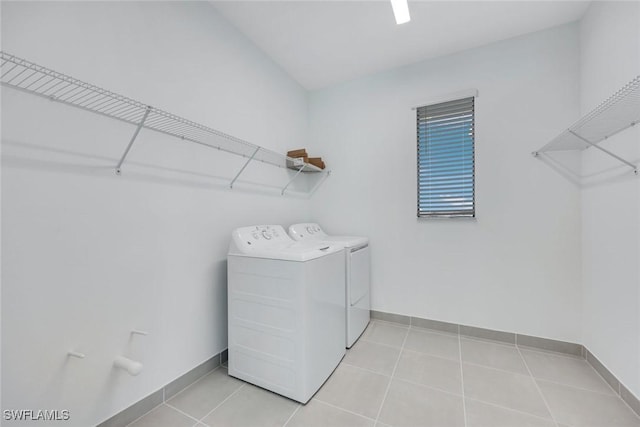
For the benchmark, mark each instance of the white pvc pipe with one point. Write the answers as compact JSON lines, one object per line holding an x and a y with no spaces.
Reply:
{"x":76,"y":354}
{"x":131,"y":366}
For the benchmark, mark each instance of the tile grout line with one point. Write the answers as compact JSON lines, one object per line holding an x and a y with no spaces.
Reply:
{"x":192,"y":384}
{"x":544,"y":399}
{"x":617,"y":393}
{"x":182,"y":412}
{"x":475,"y":337}
{"x":633,"y":411}
{"x":474,"y":399}
{"x":385,"y":322}
{"x":551,"y":352}
{"x":446,"y":359}
{"x":529,"y":374}
{"x":436,"y":356}
{"x":164,"y":400}
{"x":400,"y":379}
{"x":540,"y":379}
{"x":144,"y":415}
{"x":292,"y":415}
{"x":386,"y":392}
{"x":343,"y":409}
{"x":493,"y":368}
{"x":620,"y":385}
{"x":487,"y":340}
{"x":221,"y":403}
{"x":571,"y":385}
{"x":433,"y":331}
{"x":464,"y":403}
{"x":377,"y":343}
{"x":444,"y":392}
{"x":429,"y":387}
{"x":365,"y":369}
{"x":519,"y":349}
{"x":389,"y":322}
{"x":601,"y":393}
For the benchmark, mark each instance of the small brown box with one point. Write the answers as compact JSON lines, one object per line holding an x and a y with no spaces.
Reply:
{"x":302,"y":152}
{"x":317,"y":162}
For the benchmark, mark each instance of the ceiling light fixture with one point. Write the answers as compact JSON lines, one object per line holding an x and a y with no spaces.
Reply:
{"x":401,"y":11}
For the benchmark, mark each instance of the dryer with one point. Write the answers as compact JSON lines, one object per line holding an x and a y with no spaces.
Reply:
{"x":357,"y":278}
{"x":286,"y":306}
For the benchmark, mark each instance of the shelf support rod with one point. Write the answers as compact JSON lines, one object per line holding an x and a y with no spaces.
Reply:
{"x":294,"y":177}
{"x":631,"y":165}
{"x":244,"y":166}
{"x":320,"y":181}
{"x":133,"y":138}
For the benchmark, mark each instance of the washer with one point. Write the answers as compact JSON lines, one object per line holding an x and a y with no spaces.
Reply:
{"x":357,"y":274}
{"x":285,"y":310}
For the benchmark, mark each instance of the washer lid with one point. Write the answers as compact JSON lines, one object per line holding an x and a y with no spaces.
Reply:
{"x":309,"y":231}
{"x":272,"y":242}
{"x":346,"y":241}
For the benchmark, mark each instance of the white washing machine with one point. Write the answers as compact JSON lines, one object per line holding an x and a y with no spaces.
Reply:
{"x":285,"y":311}
{"x":357,"y":274}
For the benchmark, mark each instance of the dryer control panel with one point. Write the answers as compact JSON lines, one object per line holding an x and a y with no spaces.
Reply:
{"x":260,"y":236}
{"x":307,"y":230}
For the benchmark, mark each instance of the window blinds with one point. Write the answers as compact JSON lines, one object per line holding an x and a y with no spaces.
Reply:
{"x":446,"y":170}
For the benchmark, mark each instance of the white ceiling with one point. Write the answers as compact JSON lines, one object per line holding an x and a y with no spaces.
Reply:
{"x":320,"y":43}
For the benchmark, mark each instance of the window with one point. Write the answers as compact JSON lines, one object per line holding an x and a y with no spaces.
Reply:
{"x":446,"y":171}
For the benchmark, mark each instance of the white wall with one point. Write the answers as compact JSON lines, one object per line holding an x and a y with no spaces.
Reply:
{"x":610,"y":58}
{"x":87,"y":255}
{"x":515,"y":268}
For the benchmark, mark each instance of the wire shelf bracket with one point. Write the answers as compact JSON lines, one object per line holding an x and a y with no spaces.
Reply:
{"x":619,"y":112}
{"x":243,"y":167}
{"x":319,"y":183}
{"x":293,"y":178}
{"x":133,"y":138}
{"x":35,"y":79}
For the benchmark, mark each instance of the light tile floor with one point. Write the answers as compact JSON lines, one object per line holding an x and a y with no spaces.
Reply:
{"x":405,"y":376}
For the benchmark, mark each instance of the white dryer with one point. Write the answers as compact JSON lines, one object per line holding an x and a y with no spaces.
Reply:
{"x":285,"y":311}
{"x":357,"y":274}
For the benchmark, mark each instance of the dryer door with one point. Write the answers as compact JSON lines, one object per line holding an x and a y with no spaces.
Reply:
{"x":359,"y":275}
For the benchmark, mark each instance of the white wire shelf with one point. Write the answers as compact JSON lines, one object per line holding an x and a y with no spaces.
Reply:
{"x":29,"y":77}
{"x":617,"y":113}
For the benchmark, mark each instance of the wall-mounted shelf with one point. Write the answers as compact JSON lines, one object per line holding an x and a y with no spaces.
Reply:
{"x":26,"y":76}
{"x":619,"y":112}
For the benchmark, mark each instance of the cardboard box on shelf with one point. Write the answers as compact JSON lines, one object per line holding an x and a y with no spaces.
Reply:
{"x":317,"y":162}
{"x":302,"y":152}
